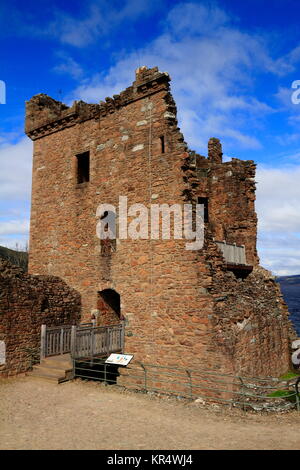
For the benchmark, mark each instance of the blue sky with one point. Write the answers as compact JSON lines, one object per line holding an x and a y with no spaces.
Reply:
{"x":232,"y":65}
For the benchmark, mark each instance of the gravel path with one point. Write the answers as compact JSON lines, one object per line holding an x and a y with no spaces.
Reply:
{"x":39,"y":415}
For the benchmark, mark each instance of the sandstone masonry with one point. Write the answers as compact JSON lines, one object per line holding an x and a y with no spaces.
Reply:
{"x":27,"y":302}
{"x":197,"y":308}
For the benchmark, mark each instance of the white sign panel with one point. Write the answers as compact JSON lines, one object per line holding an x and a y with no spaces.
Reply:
{"x":119,"y":359}
{"x":2,"y":353}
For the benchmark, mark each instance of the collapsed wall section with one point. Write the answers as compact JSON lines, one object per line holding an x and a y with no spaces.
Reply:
{"x":27,"y":302}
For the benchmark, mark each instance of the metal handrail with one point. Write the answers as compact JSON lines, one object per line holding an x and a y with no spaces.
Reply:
{"x":242,"y":392}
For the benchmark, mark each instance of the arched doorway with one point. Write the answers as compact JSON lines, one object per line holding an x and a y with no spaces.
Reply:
{"x":109,"y":307}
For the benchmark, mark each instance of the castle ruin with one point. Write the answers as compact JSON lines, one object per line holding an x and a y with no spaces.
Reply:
{"x":213,"y":307}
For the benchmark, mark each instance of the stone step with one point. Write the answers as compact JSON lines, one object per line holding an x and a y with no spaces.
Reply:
{"x":55,"y":369}
{"x":57,"y":365}
{"x":49,"y":370}
{"x":63,"y":361}
{"x":36,"y":374}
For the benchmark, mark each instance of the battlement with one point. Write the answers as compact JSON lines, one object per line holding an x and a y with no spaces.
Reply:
{"x":45,"y":115}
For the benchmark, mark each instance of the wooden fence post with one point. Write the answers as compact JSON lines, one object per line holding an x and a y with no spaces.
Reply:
{"x":61,"y":346}
{"x":43,"y":342}
{"x":107,"y":330}
{"x":73,"y":340}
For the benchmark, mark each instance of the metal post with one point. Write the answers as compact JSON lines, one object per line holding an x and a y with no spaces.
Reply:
{"x":105,"y":382}
{"x":73,"y":341}
{"x":190,"y":382}
{"x":145,"y":375}
{"x":243,"y":390}
{"x":43,"y":343}
{"x":73,"y":368}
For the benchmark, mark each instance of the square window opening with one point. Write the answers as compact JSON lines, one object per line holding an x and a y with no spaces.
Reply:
{"x":204,"y":202}
{"x":162,"y":144}
{"x":83,"y":167}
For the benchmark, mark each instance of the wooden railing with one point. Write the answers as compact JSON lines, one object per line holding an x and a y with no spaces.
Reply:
{"x":232,"y":253}
{"x":55,"y":340}
{"x":82,"y":341}
{"x":98,"y":341}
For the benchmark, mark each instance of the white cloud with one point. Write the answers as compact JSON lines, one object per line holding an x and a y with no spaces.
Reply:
{"x":288,"y":62}
{"x":284,"y":97}
{"x":278,"y":196}
{"x":15,"y":176}
{"x":15,"y":188}
{"x":196,"y":18}
{"x":77,"y":32}
{"x":102,"y":17}
{"x":280,"y":252}
{"x":69,"y":66}
{"x":212,"y":65}
{"x":12,"y":227}
{"x":277,"y":206}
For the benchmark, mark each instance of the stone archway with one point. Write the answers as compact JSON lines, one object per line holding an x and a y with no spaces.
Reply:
{"x":109,"y":307}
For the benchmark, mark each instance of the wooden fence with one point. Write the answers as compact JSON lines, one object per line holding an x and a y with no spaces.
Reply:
{"x":55,"y":340}
{"x":82,"y":341}
{"x":96,"y":341}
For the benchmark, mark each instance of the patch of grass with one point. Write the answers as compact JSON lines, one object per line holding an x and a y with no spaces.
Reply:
{"x":287,"y":394}
{"x":289,"y":375}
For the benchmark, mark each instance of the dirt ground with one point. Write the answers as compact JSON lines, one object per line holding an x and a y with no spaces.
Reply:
{"x":86,"y":415}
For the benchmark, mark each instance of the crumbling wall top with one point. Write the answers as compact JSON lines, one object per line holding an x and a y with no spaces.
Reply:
{"x":44,"y":115}
{"x":215,"y":150}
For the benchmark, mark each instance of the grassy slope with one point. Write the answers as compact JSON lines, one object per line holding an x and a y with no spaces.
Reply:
{"x":19,"y":258}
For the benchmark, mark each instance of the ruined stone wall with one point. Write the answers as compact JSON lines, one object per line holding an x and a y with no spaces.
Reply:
{"x":230,"y":190}
{"x":27,"y":302}
{"x":168,"y":294}
{"x":250,"y":321}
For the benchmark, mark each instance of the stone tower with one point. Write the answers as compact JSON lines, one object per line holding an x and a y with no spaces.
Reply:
{"x":213,"y":307}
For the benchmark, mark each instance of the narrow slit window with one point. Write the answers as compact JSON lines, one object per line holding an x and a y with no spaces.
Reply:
{"x":83,"y":167}
{"x":204,"y":202}
{"x":162,"y":144}
{"x":108,"y":245}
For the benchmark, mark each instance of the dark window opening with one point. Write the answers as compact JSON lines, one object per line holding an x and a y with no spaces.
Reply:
{"x":108,"y":241}
{"x":83,"y":167}
{"x":162,"y":144}
{"x":45,"y":305}
{"x":204,"y":202}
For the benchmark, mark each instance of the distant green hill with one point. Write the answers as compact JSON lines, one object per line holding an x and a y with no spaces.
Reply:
{"x":290,"y":288}
{"x":295,"y":279}
{"x":18,"y":258}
